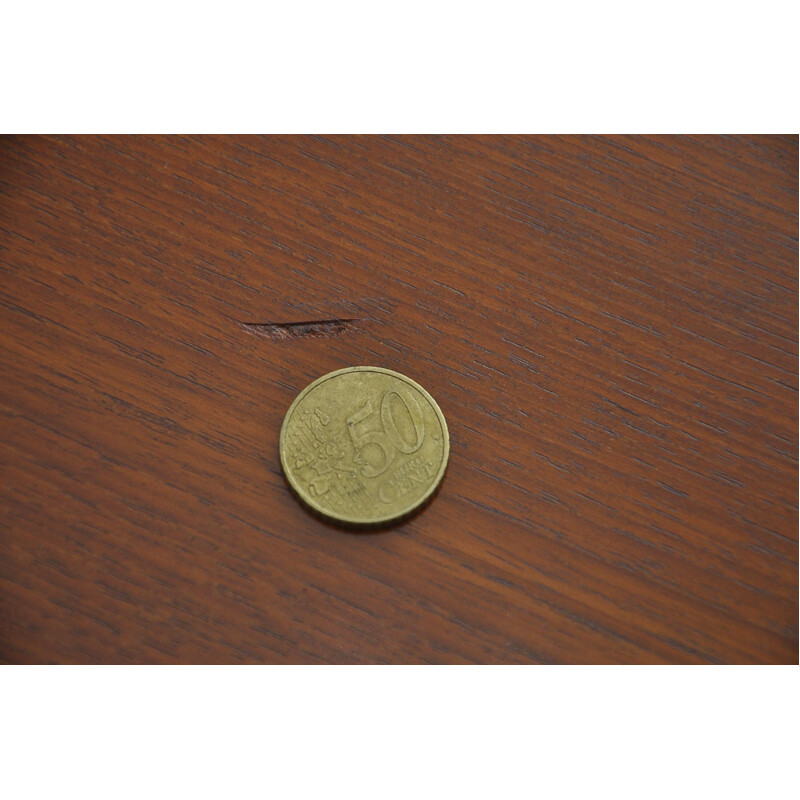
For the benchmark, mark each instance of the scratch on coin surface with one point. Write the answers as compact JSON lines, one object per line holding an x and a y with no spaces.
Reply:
{"x":294,"y":330}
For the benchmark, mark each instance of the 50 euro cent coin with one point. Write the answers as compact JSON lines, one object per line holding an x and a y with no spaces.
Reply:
{"x":364,"y":446}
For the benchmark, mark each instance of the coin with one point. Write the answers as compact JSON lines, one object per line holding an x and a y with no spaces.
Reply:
{"x":364,"y":446}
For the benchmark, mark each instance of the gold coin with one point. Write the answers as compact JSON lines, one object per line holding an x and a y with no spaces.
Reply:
{"x":364,"y":446}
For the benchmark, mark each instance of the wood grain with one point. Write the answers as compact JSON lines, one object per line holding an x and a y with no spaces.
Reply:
{"x":609,"y":325}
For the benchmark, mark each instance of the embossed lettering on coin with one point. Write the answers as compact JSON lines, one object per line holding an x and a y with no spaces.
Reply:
{"x":364,"y":445}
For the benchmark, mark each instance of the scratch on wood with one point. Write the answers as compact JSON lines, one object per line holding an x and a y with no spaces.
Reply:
{"x":294,"y":330}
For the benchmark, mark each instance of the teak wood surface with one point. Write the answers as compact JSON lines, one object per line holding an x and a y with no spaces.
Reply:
{"x":609,"y":325}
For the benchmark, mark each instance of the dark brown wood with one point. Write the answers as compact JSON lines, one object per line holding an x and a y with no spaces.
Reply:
{"x":609,"y":325}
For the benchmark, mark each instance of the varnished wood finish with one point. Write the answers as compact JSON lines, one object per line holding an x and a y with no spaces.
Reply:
{"x":609,"y":325}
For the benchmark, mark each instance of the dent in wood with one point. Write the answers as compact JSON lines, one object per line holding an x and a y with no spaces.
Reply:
{"x":293,"y":330}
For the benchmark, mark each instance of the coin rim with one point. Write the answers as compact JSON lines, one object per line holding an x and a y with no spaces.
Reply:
{"x":381,"y":520}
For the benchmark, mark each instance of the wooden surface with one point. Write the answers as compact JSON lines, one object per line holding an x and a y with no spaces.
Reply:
{"x":609,"y":325}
